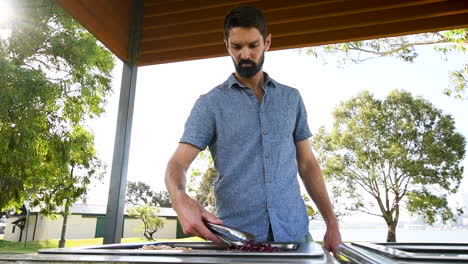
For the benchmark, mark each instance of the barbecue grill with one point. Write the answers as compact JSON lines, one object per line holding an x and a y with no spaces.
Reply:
{"x":202,"y":252}
{"x":407,"y":253}
{"x":208,"y":252}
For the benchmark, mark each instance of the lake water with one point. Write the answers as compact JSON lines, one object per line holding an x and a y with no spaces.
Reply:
{"x":402,"y":235}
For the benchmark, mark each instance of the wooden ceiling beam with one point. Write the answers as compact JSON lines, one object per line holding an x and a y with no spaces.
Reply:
{"x":374,"y":32}
{"x":279,"y":10}
{"x":111,"y":32}
{"x":178,"y":30}
{"x":118,"y":28}
{"x":320,"y":38}
{"x":173,"y":56}
{"x":177,"y":8}
{"x":218,"y":13}
{"x":159,"y":2}
{"x":369,"y":19}
{"x":292,"y":14}
{"x":348,"y":22}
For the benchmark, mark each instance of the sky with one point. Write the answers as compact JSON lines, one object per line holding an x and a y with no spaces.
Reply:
{"x":166,"y":93}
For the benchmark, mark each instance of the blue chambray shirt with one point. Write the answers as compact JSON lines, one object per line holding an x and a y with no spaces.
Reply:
{"x":253,"y":148}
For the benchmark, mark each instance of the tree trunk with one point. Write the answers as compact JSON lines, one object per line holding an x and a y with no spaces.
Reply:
{"x":66,"y":211}
{"x":391,"y":233}
{"x":152,"y":234}
{"x":64,"y":225}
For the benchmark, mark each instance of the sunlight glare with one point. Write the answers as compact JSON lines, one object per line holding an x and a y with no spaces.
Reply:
{"x":6,"y":13}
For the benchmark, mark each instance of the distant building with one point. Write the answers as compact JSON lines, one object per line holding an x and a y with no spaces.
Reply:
{"x":3,"y":221}
{"x":85,"y":221}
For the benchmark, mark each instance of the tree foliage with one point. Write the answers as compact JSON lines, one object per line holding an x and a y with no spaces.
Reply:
{"x":140,"y":193}
{"x":201,"y":180}
{"x":68,"y":187}
{"x":381,"y":155}
{"x":205,"y":192}
{"x":54,"y":76}
{"x":311,"y":212}
{"x":404,"y":48}
{"x":149,"y":215}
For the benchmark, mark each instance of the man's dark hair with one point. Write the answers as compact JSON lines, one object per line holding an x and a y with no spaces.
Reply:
{"x":246,"y":17}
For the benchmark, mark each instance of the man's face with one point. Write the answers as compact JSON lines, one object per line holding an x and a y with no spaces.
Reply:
{"x":247,"y":49}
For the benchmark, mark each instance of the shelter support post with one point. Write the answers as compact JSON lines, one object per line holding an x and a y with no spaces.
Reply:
{"x":113,"y":228}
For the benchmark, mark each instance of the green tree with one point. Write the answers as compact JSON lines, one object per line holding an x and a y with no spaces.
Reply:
{"x":140,"y":193}
{"x":404,"y":48}
{"x":66,"y":188}
{"x":311,"y":212}
{"x":161,"y":199}
{"x":205,"y":192}
{"x":381,"y":155}
{"x":149,"y":216}
{"x":54,"y":76}
{"x":201,"y":181}
{"x":84,"y":165}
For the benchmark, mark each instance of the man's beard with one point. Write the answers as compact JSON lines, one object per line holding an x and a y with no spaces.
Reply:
{"x":249,"y":71}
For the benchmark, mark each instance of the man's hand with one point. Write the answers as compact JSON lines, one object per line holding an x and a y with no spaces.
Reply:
{"x":332,"y":239}
{"x":192,"y":216}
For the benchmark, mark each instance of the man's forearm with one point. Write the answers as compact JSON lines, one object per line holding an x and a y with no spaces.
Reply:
{"x":315,"y":185}
{"x":311,"y":174}
{"x":175,"y":180}
{"x":177,"y":168}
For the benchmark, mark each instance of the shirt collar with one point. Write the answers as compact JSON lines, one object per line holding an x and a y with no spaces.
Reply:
{"x":234,"y":83}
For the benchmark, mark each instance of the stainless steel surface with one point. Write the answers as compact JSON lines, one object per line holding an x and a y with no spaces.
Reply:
{"x":441,"y":248}
{"x":311,"y":253}
{"x":310,"y":250}
{"x":373,"y":253}
{"x":230,"y":235}
{"x":394,"y":250}
{"x":348,"y":254}
{"x":100,"y":259}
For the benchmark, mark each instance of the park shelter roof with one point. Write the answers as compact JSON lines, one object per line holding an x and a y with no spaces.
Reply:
{"x":181,"y":30}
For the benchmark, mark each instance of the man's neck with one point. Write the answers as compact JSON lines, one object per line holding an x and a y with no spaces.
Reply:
{"x":255,"y":83}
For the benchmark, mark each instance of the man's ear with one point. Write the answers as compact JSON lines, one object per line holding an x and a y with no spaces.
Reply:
{"x":226,"y":44}
{"x":268,"y":42}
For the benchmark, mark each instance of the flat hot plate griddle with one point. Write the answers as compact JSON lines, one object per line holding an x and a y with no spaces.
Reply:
{"x":202,"y":248}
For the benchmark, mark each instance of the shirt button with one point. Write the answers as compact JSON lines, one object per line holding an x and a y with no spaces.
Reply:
{"x":267,"y":156}
{"x":265,"y":133}
{"x":268,"y":181}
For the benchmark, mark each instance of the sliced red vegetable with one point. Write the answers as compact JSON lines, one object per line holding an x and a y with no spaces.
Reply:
{"x":251,"y":245}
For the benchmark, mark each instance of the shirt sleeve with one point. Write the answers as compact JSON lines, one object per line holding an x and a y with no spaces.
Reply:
{"x":301,"y":130}
{"x":200,"y":125}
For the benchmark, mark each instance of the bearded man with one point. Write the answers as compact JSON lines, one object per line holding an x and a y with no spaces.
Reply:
{"x":257,"y":132}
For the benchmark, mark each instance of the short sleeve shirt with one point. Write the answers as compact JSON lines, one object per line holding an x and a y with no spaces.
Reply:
{"x":253,"y":147}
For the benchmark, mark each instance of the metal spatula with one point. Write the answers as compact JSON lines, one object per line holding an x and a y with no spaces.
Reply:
{"x":230,"y":235}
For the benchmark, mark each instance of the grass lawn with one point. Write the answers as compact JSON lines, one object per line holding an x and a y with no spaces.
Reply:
{"x":7,"y":247}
